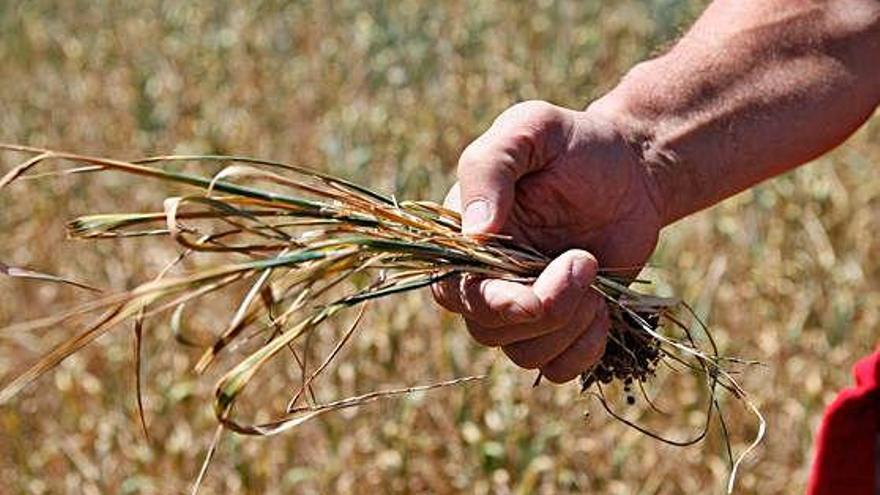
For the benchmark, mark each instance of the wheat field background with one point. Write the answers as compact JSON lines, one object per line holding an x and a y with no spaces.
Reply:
{"x":388,"y":94}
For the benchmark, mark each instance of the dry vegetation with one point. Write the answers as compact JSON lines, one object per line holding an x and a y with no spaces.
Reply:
{"x":387,"y":95}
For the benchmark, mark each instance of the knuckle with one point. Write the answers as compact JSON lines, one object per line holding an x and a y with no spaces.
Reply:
{"x":532,"y":117}
{"x":531,"y":109}
{"x":470,"y":157}
{"x":503,"y":309}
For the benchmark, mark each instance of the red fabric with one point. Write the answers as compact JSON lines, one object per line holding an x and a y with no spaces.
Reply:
{"x":847,"y":446}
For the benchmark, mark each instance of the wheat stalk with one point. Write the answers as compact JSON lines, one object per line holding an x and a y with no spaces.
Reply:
{"x":300,"y":239}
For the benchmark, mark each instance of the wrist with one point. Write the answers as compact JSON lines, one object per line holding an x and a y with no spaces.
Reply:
{"x":640,"y":127}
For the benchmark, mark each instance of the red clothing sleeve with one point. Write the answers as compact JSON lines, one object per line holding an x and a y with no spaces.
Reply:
{"x":847,"y":458}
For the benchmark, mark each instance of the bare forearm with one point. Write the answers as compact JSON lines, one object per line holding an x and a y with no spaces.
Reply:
{"x":755,"y":88}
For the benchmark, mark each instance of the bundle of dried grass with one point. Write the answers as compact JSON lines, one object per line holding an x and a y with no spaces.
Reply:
{"x":310,"y":246}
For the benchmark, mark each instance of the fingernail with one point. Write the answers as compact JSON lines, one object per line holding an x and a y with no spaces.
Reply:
{"x":476,"y":215}
{"x":582,"y":268}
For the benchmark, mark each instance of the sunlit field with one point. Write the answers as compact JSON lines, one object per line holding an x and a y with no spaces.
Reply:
{"x":387,"y":94}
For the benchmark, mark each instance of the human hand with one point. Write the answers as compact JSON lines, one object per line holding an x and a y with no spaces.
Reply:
{"x":566,"y":183}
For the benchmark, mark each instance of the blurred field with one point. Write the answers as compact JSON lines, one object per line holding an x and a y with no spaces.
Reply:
{"x":388,"y":94}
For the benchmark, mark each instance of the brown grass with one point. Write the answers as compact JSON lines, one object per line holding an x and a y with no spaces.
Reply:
{"x":388,"y":95}
{"x":314,"y":235}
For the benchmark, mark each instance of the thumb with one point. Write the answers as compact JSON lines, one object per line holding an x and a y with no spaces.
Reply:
{"x":516,"y":144}
{"x":487,"y":177}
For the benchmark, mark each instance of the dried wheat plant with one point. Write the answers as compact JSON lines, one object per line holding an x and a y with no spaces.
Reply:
{"x":310,"y":246}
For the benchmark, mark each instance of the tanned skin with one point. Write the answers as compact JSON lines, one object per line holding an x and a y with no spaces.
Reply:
{"x":754,"y":89}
